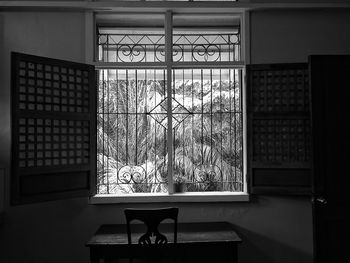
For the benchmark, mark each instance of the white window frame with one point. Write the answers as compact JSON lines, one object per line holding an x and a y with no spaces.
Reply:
{"x":90,"y":57}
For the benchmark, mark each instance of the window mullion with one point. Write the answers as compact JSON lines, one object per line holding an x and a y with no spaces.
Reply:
{"x":168,"y":60}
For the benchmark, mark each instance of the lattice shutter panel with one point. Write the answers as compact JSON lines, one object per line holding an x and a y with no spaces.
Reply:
{"x":279,"y":128}
{"x":53,"y":128}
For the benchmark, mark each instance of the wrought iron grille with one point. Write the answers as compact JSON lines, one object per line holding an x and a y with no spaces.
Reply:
{"x":206,"y":47}
{"x":131,"y":140}
{"x":207,"y":130}
{"x":208,"y":150}
{"x":133,"y":117}
{"x":191,"y":47}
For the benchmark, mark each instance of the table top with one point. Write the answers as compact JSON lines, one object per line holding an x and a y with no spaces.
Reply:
{"x":209,"y":232}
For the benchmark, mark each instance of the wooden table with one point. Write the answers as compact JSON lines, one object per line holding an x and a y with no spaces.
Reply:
{"x":196,"y":241}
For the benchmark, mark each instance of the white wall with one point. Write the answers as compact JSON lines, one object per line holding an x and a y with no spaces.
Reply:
{"x":274,"y":229}
{"x":290,"y":36}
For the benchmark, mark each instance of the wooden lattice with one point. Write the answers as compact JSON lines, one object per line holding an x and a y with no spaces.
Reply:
{"x":281,"y":140}
{"x":53,"y":128}
{"x":280,"y":90}
{"x":279,"y":105}
{"x":53,"y":88}
{"x":46,"y":142}
{"x":279,"y":128}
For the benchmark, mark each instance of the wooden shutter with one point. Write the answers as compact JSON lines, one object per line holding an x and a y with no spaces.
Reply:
{"x":53,"y":129}
{"x":279,"y":129}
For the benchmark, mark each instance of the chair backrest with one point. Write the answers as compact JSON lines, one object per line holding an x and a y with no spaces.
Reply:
{"x":151,"y":218}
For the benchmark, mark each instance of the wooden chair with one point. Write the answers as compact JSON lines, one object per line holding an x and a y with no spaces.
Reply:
{"x":152,"y":219}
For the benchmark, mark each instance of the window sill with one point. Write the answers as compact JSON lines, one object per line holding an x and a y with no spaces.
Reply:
{"x":170,"y":198}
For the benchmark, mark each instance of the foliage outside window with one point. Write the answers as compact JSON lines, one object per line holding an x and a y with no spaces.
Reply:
{"x":133,"y":113}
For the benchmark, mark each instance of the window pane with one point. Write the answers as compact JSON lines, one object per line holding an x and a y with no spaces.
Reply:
{"x":208,"y":150}
{"x":203,"y":38}
{"x":130,"y":38}
{"x":131,"y":133}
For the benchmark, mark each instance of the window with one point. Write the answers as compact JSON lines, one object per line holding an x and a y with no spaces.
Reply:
{"x":169,"y":103}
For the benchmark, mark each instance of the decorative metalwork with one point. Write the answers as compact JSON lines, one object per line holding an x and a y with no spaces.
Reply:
{"x":208,"y":142}
{"x":206,"y":114}
{"x":131,"y":47}
{"x":207,"y":130}
{"x":132,"y":174}
{"x":131,"y":153}
{"x":206,"y":47}
{"x":186,"y":47}
{"x":179,"y":113}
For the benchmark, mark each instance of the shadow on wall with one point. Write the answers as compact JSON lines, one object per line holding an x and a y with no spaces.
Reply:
{"x":2,"y":195}
{"x":262,"y":249}
{"x":4,"y":103}
{"x":4,"y":129}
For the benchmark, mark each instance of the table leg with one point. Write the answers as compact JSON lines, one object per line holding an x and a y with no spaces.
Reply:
{"x":94,"y":258}
{"x":235,"y":254}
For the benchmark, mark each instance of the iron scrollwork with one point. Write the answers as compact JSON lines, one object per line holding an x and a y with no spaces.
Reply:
{"x":132,"y":174}
{"x":206,"y":53}
{"x":129,"y":53}
{"x":186,"y":47}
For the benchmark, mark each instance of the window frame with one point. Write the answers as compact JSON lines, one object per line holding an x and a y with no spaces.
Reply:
{"x":169,"y":65}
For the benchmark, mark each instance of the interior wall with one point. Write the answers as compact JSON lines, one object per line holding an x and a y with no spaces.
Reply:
{"x":291,"y":35}
{"x":296,"y":1}
{"x":57,"y":35}
{"x":273,"y":229}
{"x":2,"y":201}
